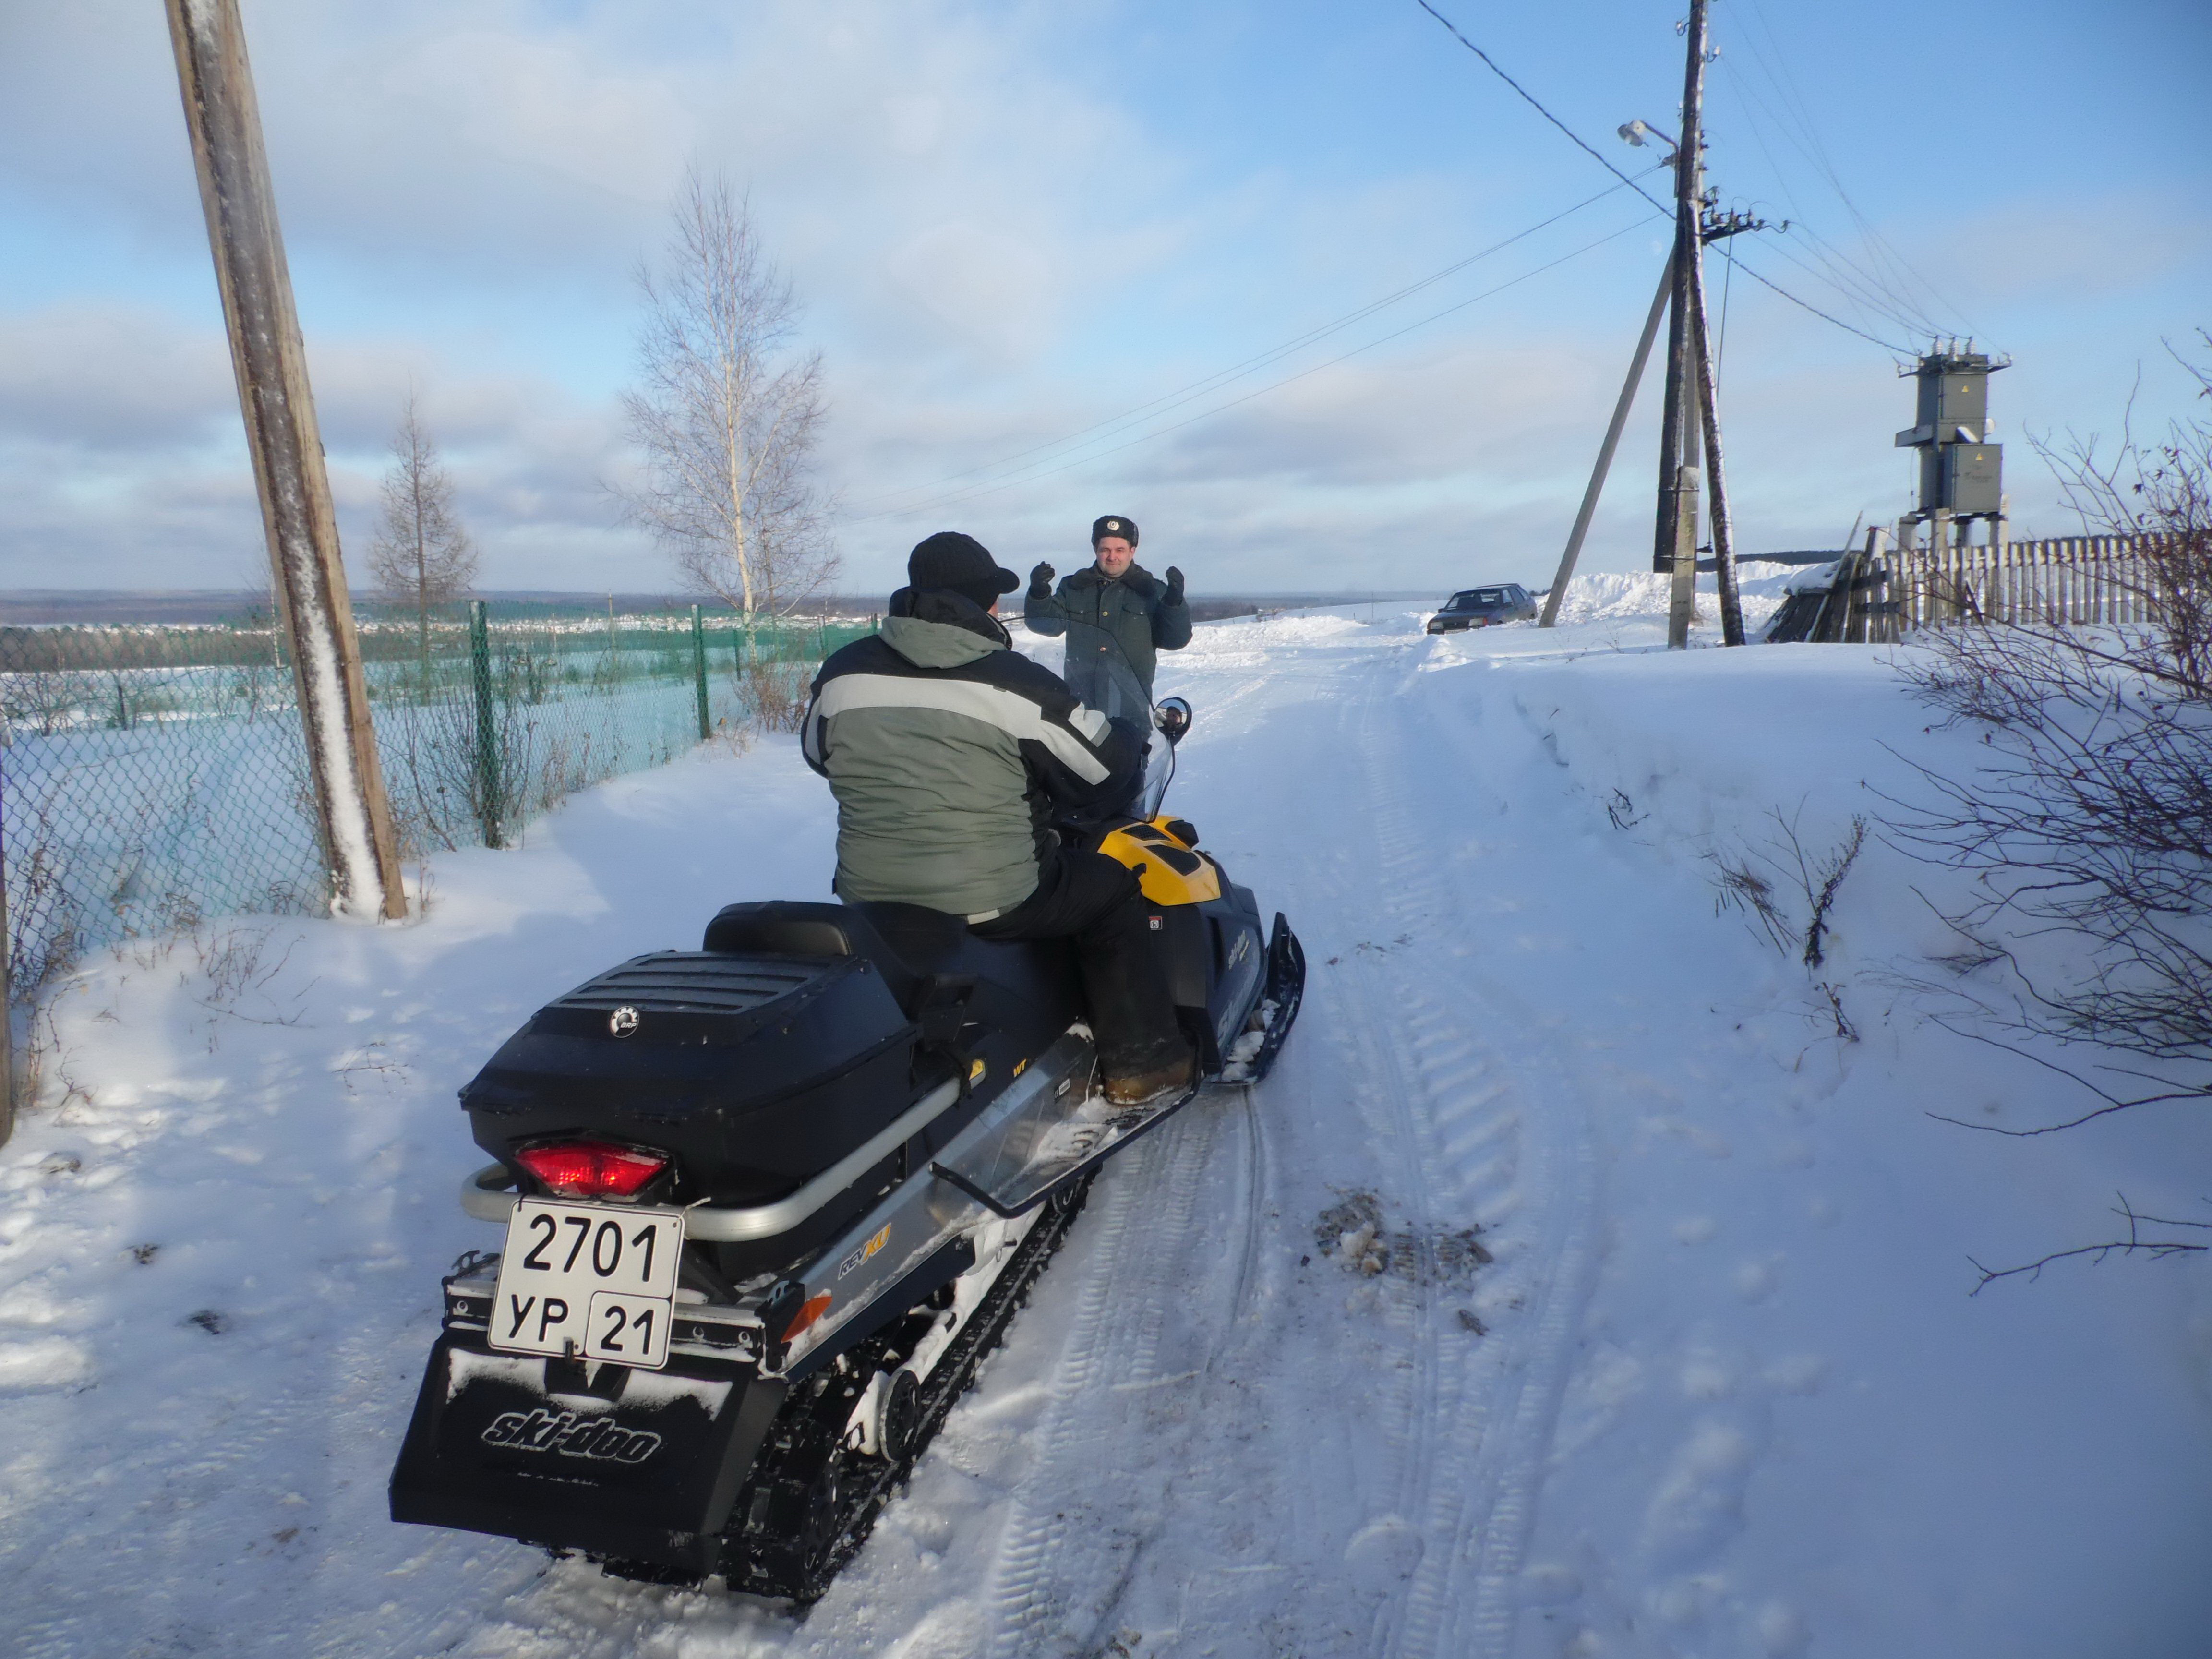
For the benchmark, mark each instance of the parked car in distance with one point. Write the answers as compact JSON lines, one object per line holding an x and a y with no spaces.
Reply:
{"x":1480,"y":607}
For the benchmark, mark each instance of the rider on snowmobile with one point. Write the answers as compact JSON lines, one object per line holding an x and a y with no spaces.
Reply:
{"x":1117,"y":617}
{"x":949,"y":753}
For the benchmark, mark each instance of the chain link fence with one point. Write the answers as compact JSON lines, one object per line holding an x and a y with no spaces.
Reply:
{"x":153,"y":776}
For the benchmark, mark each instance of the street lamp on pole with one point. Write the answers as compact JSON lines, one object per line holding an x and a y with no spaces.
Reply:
{"x":1637,"y":131}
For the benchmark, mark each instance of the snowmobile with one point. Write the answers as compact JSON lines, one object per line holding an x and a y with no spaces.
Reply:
{"x":769,"y":1203}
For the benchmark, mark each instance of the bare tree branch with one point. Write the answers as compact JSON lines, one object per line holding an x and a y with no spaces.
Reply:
{"x":421,"y":556}
{"x":2134,"y":1244}
{"x":728,"y":411}
{"x":2085,"y":824}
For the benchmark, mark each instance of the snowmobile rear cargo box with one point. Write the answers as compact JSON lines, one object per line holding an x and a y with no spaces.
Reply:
{"x":798,"y":1033}
{"x":754,"y":1073}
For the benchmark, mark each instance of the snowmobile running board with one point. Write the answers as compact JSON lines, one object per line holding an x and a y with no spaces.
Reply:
{"x":1011,"y":1209}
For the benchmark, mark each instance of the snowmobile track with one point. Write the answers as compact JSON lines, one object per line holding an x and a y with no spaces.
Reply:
{"x":1255,"y":1196}
{"x":1470,"y":1137}
{"x":1081,"y":1520}
{"x":1468,"y":1592}
{"x":1400,"y":865}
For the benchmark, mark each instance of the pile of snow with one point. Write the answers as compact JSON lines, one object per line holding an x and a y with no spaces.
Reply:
{"x":1657,"y":1342}
{"x":1617,"y":596}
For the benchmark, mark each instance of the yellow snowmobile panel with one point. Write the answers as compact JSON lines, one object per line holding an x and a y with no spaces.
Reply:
{"x":1169,"y":870}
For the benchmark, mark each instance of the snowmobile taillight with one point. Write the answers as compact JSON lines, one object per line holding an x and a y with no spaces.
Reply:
{"x":590,"y":1169}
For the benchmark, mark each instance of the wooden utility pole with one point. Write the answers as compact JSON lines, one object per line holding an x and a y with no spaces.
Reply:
{"x":1559,"y":592}
{"x":279,"y":407}
{"x":1677,"y":482}
{"x":1724,"y":526}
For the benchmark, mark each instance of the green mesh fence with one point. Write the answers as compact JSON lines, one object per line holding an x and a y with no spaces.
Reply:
{"x":153,"y":776}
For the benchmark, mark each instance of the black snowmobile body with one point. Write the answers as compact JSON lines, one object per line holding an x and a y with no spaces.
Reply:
{"x":825,"y":1155}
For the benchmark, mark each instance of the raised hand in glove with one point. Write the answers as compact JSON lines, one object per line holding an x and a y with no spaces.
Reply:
{"x":1040,"y":578}
{"x":1175,"y":586}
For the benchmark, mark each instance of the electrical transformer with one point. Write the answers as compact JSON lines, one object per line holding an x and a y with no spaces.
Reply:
{"x":1961,"y":472}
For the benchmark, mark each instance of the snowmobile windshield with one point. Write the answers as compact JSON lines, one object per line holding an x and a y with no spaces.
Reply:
{"x":1105,"y":682}
{"x":1159,"y":769}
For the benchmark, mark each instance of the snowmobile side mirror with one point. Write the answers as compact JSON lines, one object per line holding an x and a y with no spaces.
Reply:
{"x":1174,"y":718}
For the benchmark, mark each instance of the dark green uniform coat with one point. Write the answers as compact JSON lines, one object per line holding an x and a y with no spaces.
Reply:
{"x":1115,"y":627}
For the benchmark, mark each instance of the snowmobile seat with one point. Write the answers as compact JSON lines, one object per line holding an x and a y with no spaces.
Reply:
{"x":918,"y":950}
{"x":786,"y":928}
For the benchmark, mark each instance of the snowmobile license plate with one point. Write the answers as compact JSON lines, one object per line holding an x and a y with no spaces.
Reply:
{"x":589,"y":1281}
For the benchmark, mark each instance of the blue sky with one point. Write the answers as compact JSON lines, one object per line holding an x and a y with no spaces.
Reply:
{"x":1009,"y":222}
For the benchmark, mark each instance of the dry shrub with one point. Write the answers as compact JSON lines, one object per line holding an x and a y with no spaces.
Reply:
{"x":2086,"y":824}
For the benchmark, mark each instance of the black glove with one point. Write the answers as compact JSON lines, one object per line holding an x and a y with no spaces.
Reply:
{"x":1041,"y":579}
{"x":1175,"y":586}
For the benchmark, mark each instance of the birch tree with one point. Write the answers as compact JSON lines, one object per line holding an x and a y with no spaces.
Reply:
{"x":421,"y":556}
{"x":727,"y":412}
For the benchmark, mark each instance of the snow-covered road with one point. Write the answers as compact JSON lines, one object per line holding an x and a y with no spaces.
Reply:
{"x":1669,"y":1351}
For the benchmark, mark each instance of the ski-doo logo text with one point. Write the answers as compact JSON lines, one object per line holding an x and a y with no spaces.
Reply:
{"x":571,"y":1435}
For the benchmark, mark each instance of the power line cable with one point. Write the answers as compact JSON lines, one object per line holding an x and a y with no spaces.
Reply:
{"x":1720,"y":349}
{"x":1199,"y":388}
{"x":1534,"y":104}
{"x":1903,"y":279}
{"x":1868,"y":290}
{"x":1887,"y":345}
{"x":978,"y":491}
{"x":1901,"y":272}
{"x":1583,"y":145}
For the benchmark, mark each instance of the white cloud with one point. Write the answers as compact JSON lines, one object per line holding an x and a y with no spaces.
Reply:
{"x":109,"y":377}
{"x":994,"y":248}
{"x":995,"y":292}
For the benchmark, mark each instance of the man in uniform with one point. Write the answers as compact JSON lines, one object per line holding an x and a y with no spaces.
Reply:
{"x":1117,"y":617}
{"x":949,"y":753}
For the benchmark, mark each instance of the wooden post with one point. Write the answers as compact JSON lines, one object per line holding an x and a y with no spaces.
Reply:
{"x":1679,"y":425}
{"x":1882,"y":624}
{"x":1685,"y":549}
{"x":1553,"y":599}
{"x":1731,"y":600}
{"x":282,"y":434}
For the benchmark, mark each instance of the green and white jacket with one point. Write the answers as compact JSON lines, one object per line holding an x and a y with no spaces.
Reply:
{"x":948,"y":753}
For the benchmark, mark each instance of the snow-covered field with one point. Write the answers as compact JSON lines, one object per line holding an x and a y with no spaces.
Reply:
{"x":1722,"y":1391}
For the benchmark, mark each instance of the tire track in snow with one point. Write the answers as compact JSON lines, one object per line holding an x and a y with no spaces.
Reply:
{"x":1254,"y":1201}
{"x":1083,"y":1516}
{"x":1489,"y":1540}
{"x":1443,"y":1097}
{"x":1489,"y":1410}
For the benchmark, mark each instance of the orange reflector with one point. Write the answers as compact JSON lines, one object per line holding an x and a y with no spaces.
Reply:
{"x":814,"y":1308}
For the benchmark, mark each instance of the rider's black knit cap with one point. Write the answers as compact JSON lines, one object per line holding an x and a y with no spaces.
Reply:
{"x":1111,"y":526}
{"x":950,"y":559}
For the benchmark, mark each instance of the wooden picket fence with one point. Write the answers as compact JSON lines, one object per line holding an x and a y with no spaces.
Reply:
{"x":2065,"y":581}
